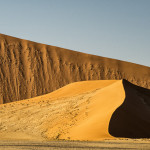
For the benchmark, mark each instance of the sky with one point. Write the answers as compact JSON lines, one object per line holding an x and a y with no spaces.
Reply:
{"x":117,"y":29}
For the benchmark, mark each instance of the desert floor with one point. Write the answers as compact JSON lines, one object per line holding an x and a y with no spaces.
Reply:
{"x":76,"y":145}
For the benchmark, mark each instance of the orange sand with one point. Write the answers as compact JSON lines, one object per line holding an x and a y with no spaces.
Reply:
{"x":29,"y":69}
{"x":88,"y":110}
{"x":78,"y":111}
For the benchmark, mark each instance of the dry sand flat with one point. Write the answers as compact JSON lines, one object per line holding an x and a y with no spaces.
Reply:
{"x":76,"y":145}
{"x":88,"y":110}
{"x":29,"y":69}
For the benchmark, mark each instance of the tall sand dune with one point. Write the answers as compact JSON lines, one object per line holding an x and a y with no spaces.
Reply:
{"x":29,"y":69}
{"x":87,"y":110}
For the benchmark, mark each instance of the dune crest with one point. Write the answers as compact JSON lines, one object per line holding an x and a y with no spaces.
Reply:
{"x":29,"y":69}
{"x":87,"y":110}
{"x":102,"y":105}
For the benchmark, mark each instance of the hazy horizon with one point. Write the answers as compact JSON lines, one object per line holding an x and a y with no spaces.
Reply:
{"x":116,"y":29}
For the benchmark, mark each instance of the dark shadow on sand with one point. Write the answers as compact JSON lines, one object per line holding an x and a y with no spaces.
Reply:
{"x":132,"y":118}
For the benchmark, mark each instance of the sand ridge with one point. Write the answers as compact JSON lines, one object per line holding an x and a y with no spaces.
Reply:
{"x":87,"y":110}
{"x":29,"y":69}
{"x":80,"y":114}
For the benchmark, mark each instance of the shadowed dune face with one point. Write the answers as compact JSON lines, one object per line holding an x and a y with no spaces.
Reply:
{"x":132,"y":118}
{"x":29,"y":69}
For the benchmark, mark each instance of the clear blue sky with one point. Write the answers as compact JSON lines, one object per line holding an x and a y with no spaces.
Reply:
{"x":117,"y":29}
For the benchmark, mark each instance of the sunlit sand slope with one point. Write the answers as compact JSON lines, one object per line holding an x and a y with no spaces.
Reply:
{"x":29,"y":69}
{"x":88,"y":110}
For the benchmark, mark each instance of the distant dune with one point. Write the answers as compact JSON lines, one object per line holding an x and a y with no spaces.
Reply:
{"x":88,"y":110}
{"x":29,"y":69}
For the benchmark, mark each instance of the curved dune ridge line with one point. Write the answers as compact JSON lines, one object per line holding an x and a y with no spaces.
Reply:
{"x":102,"y":105}
{"x":78,"y":111}
{"x":29,"y":69}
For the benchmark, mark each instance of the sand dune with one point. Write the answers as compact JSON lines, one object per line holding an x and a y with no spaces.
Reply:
{"x":29,"y":69}
{"x":88,"y":110}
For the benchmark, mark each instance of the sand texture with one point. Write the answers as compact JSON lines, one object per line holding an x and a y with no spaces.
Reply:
{"x":126,"y":144}
{"x":29,"y":69}
{"x":87,"y":110}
